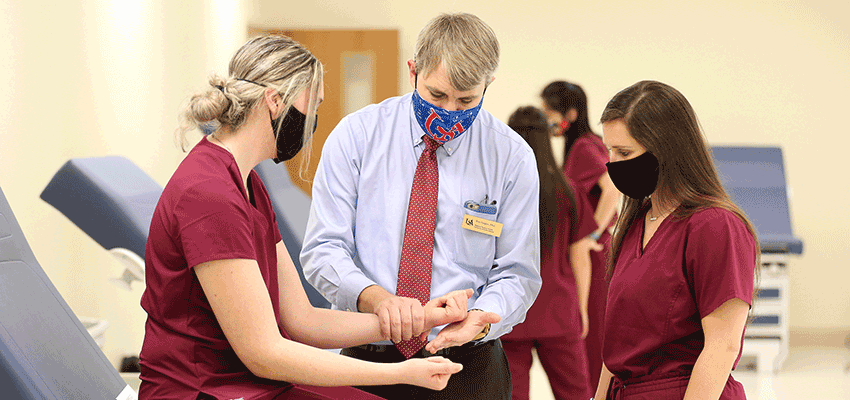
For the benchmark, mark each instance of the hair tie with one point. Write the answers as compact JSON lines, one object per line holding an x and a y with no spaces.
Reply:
{"x":250,"y":81}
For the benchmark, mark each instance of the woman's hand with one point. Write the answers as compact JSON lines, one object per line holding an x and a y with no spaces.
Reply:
{"x":432,"y":372}
{"x":445,"y":309}
{"x":585,"y":322}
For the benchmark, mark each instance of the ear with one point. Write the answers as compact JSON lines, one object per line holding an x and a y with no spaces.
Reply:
{"x":273,"y":101}
{"x":411,"y":66}
{"x":572,"y":115}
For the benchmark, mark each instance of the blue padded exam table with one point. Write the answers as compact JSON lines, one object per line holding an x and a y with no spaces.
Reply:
{"x":45,"y":351}
{"x":291,"y":208}
{"x":754,"y":177}
{"x":113,"y":200}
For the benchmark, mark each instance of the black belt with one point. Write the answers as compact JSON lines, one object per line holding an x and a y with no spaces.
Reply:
{"x":447,"y":352}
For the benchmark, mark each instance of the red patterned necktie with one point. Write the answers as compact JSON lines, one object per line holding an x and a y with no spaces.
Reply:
{"x":414,"y":272}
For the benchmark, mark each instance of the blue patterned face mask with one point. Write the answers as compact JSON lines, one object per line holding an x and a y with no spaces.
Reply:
{"x":440,"y":124}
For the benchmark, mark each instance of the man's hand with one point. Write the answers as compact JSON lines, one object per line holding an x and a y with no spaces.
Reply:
{"x":461,"y":332}
{"x":401,"y":317}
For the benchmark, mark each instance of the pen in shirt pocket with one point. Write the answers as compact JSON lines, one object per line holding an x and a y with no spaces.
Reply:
{"x":484,"y":207}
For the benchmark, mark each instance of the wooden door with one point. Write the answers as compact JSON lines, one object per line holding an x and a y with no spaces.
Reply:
{"x":361,"y":68}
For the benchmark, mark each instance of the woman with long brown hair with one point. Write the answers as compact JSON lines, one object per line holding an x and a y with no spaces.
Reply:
{"x":682,"y":261}
{"x":557,"y":322}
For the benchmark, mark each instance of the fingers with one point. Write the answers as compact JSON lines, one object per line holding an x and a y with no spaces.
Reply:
{"x":596,"y":246}
{"x":490,"y":318}
{"x":439,"y":342}
{"x":448,"y":308}
{"x":401,"y":318}
{"x":438,"y":359}
{"x":435,"y":345}
{"x":406,"y":321}
{"x":585,"y":325}
{"x":418,"y":321}
{"x":395,"y":324}
{"x":444,"y":365}
{"x":436,"y":372}
{"x":458,"y":333}
{"x":447,"y":337}
{"x":384,"y":319}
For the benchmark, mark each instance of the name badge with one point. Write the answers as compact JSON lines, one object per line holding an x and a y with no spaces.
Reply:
{"x":482,"y":225}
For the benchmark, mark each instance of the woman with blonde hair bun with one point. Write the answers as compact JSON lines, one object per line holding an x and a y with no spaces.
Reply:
{"x":227,"y":315}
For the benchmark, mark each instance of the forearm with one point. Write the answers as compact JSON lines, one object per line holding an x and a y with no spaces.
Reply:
{"x":369,"y":298}
{"x":602,"y":386}
{"x":607,"y":206}
{"x":711,"y":371}
{"x":580,"y":262}
{"x":298,"y":363}
{"x":333,"y":329}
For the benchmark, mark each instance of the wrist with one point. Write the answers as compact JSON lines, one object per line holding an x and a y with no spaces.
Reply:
{"x":396,"y":373}
{"x":369,"y":298}
{"x":595,"y":236}
{"x":484,"y":331}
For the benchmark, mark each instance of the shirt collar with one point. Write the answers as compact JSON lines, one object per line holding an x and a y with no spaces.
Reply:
{"x":416,"y":132}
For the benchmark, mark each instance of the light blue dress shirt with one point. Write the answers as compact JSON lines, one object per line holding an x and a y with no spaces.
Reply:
{"x":361,"y":194}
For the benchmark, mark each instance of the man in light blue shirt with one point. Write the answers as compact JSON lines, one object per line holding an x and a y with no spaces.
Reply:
{"x":487,"y":181}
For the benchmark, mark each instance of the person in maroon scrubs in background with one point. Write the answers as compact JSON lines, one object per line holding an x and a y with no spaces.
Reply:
{"x":557,"y":322}
{"x":227,"y":315}
{"x":565,"y":105}
{"x":683,"y":257}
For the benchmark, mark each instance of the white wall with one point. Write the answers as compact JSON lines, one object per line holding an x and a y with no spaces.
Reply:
{"x":757,"y":72}
{"x":92,"y":78}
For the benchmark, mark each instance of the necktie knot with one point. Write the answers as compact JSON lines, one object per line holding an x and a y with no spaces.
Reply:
{"x":430,"y":144}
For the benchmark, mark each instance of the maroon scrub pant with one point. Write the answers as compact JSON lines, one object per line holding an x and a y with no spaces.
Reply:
{"x":485,"y":374}
{"x":563,"y":360}
{"x":303,"y":392}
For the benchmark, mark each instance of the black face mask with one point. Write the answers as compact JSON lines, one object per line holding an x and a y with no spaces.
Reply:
{"x":637,"y":177}
{"x":290,"y":137}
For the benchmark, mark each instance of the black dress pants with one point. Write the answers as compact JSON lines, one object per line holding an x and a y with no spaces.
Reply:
{"x":486,"y":374}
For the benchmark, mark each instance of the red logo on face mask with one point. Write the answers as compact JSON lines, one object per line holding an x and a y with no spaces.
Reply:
{"x":442,"y":135}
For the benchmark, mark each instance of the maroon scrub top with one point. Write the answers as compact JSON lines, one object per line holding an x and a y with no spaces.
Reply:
{"x":658,"y":296}
{"x":555,"y":312}
{"x":203,"y":215}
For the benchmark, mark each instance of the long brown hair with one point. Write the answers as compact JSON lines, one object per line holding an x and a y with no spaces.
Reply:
{"x":531,"y":124}
{"x":661,"y":120}
{"x":562,"y":96}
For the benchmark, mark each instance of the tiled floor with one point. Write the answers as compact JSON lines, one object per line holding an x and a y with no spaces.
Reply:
{"x":808,"y":373}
